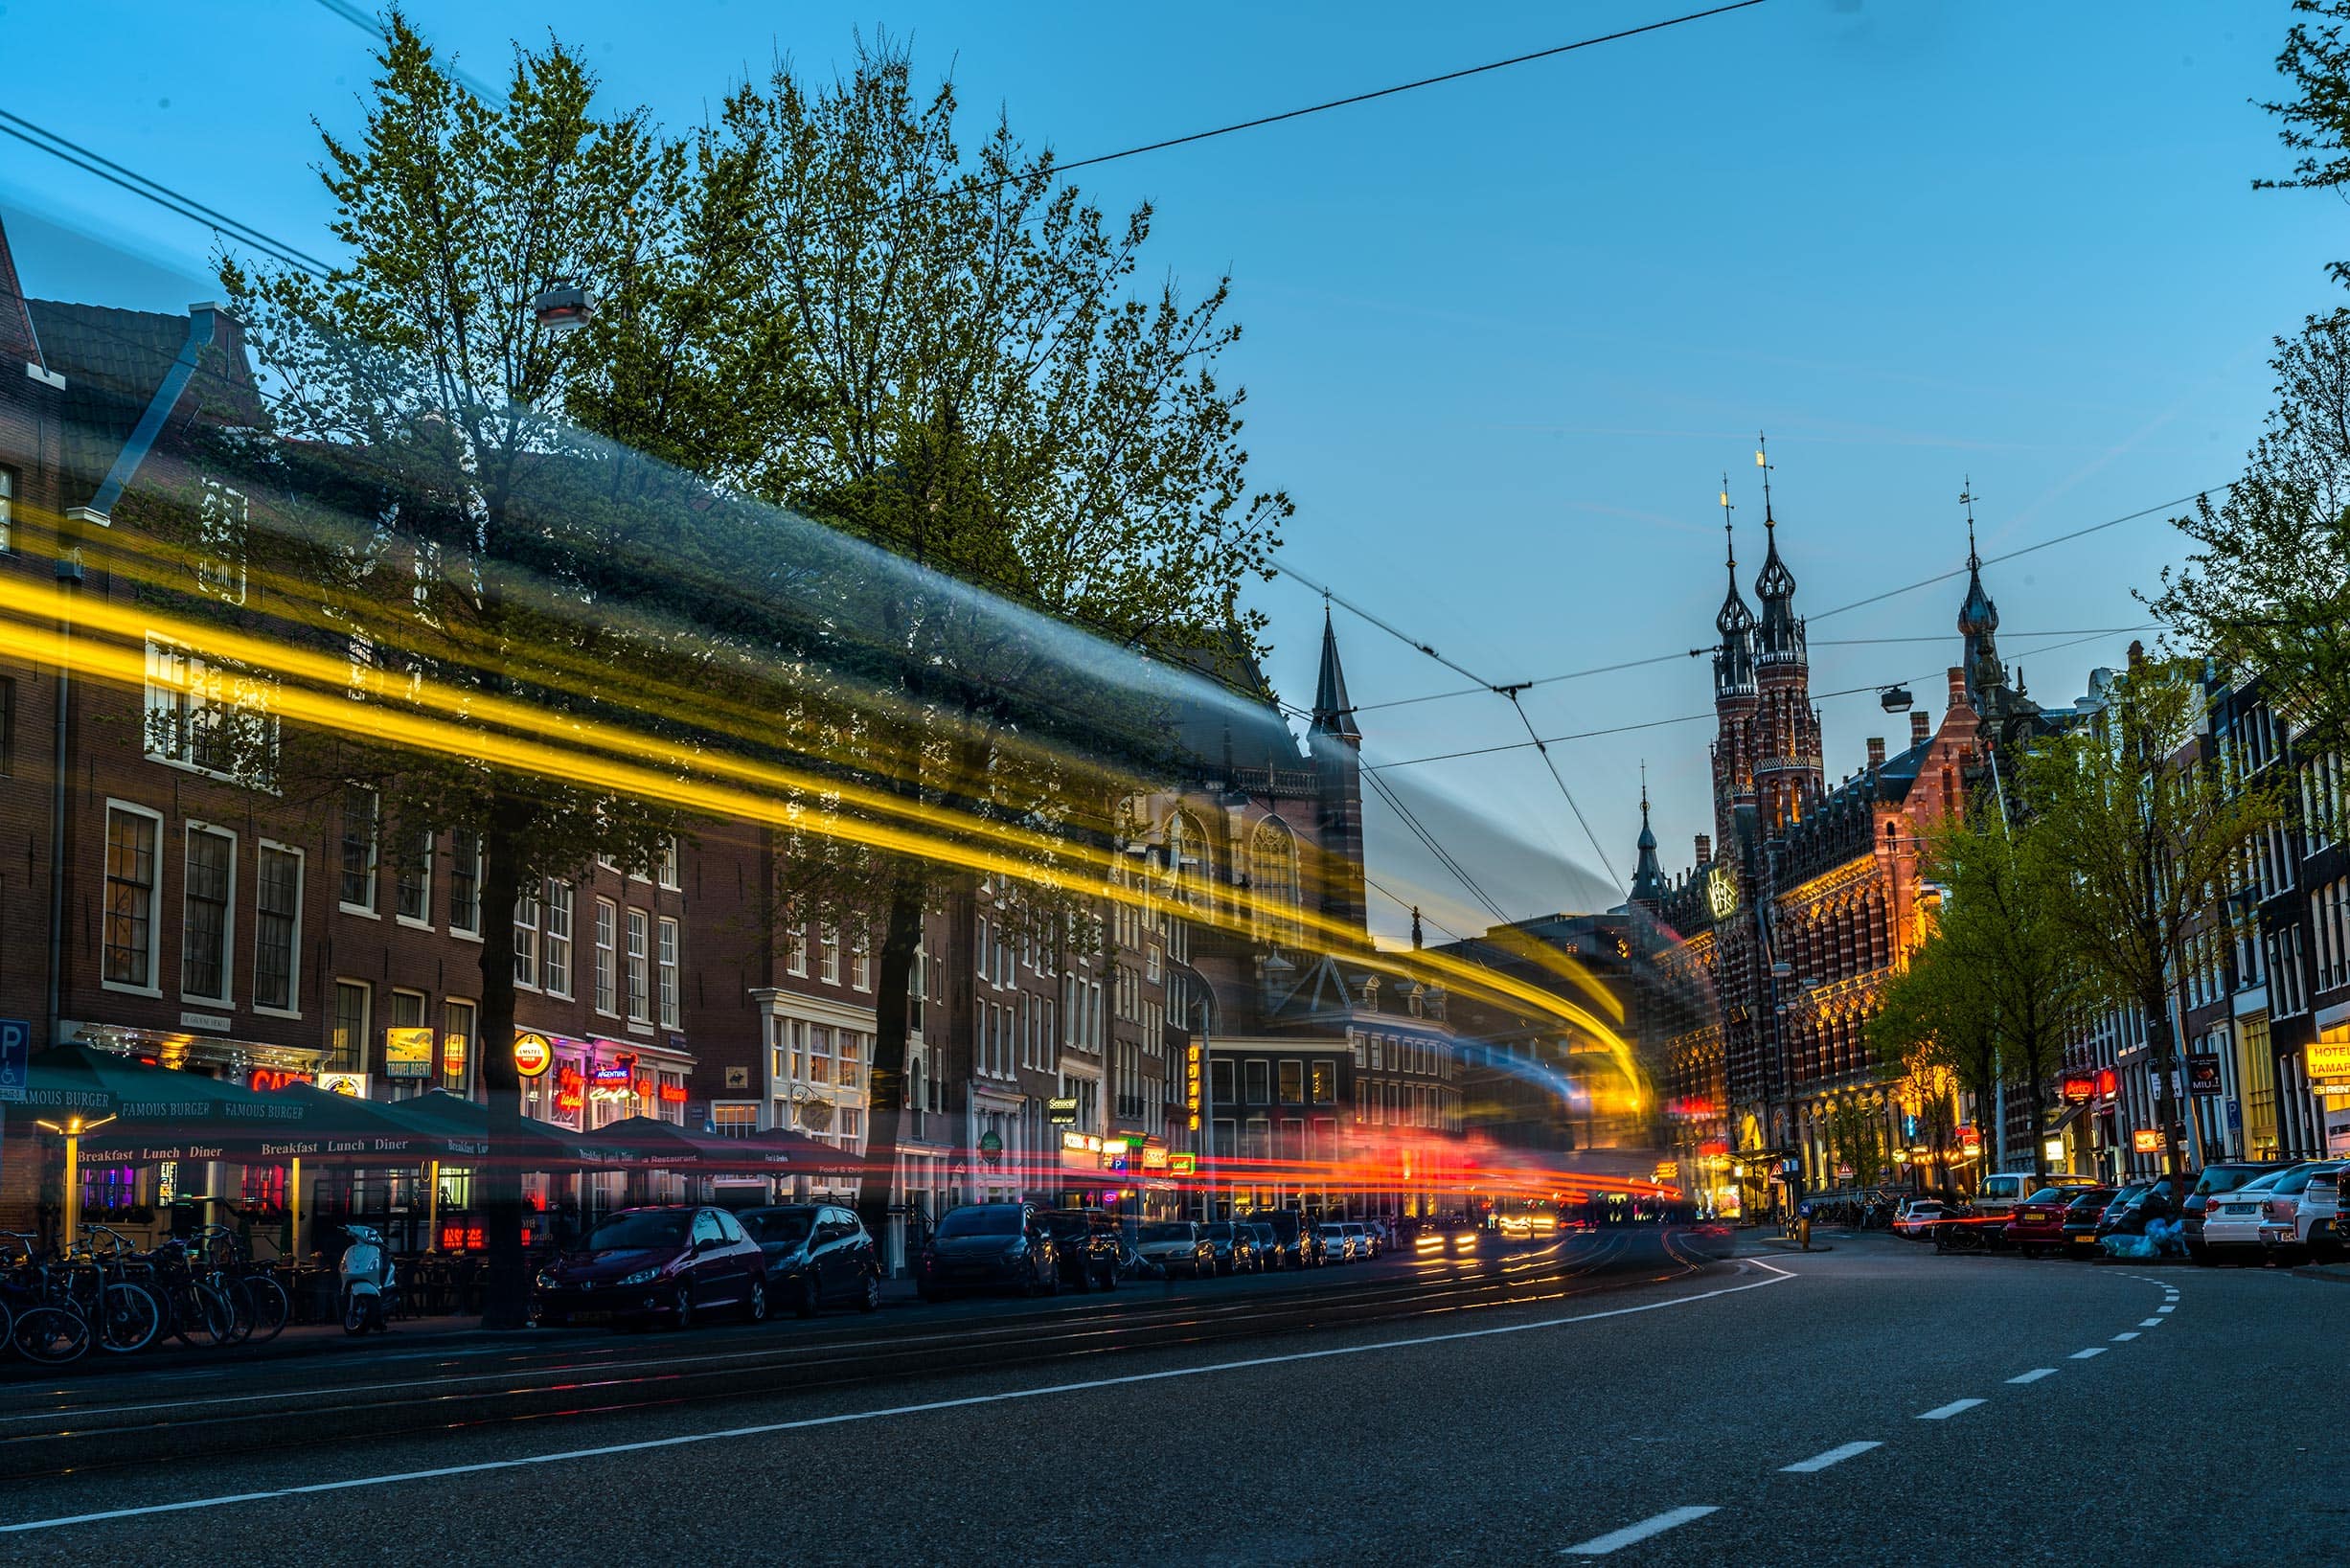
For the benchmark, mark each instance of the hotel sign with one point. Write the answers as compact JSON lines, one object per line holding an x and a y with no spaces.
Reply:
{"x":1722,"y":893}
{"x":2326,"y":1060}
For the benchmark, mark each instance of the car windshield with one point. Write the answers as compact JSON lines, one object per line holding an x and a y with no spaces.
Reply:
{"x":2095,"y":1198}
{"x":1219,"y":1232}
{"x":779,"y":1225}
{"x":1167,"y":1233}
{"x":2227,"y":1178}
{"x":2050,"y":1194}
{"x":986,"y":1220}
{"x":2293,"y":1181}
{"x":2264,"y":1183}
{"x":644,"y":1228}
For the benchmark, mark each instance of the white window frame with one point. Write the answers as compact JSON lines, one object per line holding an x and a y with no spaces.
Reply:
{"x":607,"y":979}
{"x":526,"y":938}
{"x":227,"y":997}
{"x":361,"y":1060}
{"x":828,"y":954}
{"x":420,"y":923}
{"x":371,"y":909}
{"x":224,"y":524}
{"x":186,"y":692}
{"x":796,"y":951}
{"x":637,"y":971}
{"x":665,"y":972}
{"x":664,"y":865}
{"x":8,"y":507}
{"x":555,"y":967}
{"x":860,"y":959}
{"x":152,"y":985}
{"x":474,"y":932}
{"x":293,"y":957}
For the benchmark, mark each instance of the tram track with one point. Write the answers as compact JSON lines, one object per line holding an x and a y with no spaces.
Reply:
{"x":81,"y":1424}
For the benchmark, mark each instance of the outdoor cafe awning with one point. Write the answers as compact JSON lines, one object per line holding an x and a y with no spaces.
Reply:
{"x":127,"y":1110}
{"x":651,"y":1144}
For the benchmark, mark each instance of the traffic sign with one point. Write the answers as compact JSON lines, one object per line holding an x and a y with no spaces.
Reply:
{"x":16,"y":1060}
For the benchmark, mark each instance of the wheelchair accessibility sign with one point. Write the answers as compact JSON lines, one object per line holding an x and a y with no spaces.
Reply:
{"x":15,"y":1058}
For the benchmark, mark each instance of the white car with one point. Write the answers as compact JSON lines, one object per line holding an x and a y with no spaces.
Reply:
{"x":1337,"y":1245}
{"x":1366,"y":1240}
{"x":2301,"y":1200}
{"x":1916,"y":1217}
{"x":2232,"y":1220}
{"x":2317,"y":1221}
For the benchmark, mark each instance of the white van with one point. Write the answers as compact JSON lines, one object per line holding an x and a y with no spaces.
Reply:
{"x":2001,"y":1193}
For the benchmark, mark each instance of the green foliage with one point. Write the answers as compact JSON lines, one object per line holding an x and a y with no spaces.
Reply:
{"x":2267,"y":588}
{"x":2314,"y":122}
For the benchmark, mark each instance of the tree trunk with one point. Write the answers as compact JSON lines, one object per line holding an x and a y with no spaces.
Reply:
{"x":505,"y":1286}
{"x":892,"y":1024}
{"x":2162,"y":1050}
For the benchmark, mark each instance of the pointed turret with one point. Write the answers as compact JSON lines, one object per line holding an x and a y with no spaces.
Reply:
{"x":1333,"y":713}
{"x":1978,"y":620}
{"x":1648,"y":877}
{"x":1779,"y":636}
{"x":1734,"y":658}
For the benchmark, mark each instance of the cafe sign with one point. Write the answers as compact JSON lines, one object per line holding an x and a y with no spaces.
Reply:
{"x":533,"y":1055}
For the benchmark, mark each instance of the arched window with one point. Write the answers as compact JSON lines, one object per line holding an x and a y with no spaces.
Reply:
{"x":1190,"y":862}
{"x":1273,"y":873}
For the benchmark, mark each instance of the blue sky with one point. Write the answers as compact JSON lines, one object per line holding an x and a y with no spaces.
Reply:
{"x":1504,"y":335}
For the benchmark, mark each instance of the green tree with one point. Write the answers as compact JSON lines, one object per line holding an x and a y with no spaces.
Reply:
{"x":1856,"y":1136}
{"x":978,"y":387}
{"x":2268,"y":588}
{"x":2314,"y":122}
{"x":1933,"y":1020}
{"x":497,"y":555}
{"x":2143,"y":840}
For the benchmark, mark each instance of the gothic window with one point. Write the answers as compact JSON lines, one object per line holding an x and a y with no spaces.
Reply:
{"x":1273,"y":872}
{"x":1189,"y":860}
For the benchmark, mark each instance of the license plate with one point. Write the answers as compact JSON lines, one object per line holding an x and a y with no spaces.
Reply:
{"x":2235,"y":1208}
{"x":592,"y":1317}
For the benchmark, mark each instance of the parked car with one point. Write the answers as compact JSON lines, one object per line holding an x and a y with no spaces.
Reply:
{"x":1301,"y":1245}
{"x":1176,"y":1246}
{"x":1236,"y":1247}
{"x":2217,"y":1178}
{"x":1366,"y":1240}
{"x":2002,"y":1192}
{"x":1269,"y":1253}
{"x":816,"y":1255}
{"x":2081,"y":1217}
{"x":1084,"y":1248}
{"x":2320,"y":1218}
{"x":2038,"y":1223}
{"x":1916,"y":1217}
{"x":984,"y":1247}
{"x":2232,"y":1219}
{"x":2283,"y":1233}
{"x":1336,"y":1245}
{"x":662,"y":1264}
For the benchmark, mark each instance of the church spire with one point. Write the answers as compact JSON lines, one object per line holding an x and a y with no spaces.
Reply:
{"x":1648,"y":877}
{"x":1333,"y":713}
{"x":1734,"y":658}
{"x":1780,"y":639}
{"x":1978,"y":617}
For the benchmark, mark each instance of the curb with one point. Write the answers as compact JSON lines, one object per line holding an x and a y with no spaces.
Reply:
{"x":1780,"y":1243}
{"x":2330,"y":1273}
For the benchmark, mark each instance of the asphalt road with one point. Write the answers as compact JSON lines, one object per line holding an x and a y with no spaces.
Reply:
{"x":1614,"y":1396}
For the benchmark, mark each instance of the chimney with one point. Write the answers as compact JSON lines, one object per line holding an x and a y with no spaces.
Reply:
{"x":1958,"y":688}
{"x":1876,"y":750}
{"x":1917,"y":727}
{"x":1706,"y":849}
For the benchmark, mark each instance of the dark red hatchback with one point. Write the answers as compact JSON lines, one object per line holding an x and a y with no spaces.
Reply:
{"x":668,"y":1264}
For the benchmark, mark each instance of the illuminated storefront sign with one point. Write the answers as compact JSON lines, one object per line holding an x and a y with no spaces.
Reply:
{"x":533,"y":1055}
{"x":407,"y":1053}
{"x":2147,"y":1141}
{"x":2108,"y":1084}
{"x":2327,"y":1059}
{"x":570,"y":1089}
{"x":1969,"y":1139}
{"x":613,"y":1080}
{"x":1722,"y":893}
{"x":1191,"y":1077}
{"x":2079,"y":1088}
{"x":353,"y":1084}
{"x":266,"y":1078}
{"x":673,"y":1094}
{"x":452,"y":1056}
{"x":1182,"y":1164}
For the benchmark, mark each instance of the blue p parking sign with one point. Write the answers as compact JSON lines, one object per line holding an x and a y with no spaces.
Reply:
{"x":15,"y":1057}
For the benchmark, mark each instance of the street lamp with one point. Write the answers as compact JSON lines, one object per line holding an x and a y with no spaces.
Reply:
{"x":73,"y":1130}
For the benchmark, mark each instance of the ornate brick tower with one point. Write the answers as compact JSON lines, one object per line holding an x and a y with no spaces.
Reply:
{"x":1336,"y":742}
{"x":1734,"y":698}
{"x":1787,"y":755}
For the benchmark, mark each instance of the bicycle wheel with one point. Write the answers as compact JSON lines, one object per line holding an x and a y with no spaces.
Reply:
{"x":265,"y":1305}
{"x":51,"y":1336}
{"x":201,"y":1313}
{"x":128,"y":1318}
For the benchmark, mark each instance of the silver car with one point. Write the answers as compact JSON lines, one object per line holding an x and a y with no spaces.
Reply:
{"x":1338,"y":1245}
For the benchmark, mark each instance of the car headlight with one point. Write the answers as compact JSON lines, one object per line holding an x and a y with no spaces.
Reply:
{"x":548,"y":1279}
{"x":642,"y":1276}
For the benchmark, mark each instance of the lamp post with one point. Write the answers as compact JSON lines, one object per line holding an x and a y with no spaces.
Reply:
{"x":73,"y":1130}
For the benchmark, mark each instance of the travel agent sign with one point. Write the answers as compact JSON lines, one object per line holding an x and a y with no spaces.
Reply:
{"x":534,"y":1054}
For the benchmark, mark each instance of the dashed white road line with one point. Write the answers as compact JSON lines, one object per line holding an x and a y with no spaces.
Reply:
{"x":1834,"y":1456}
{"x":2035,"y":1375}
{"x":2166,"y":1308}
{"x":2129,"y":1335}
{"x":1943,"y":1412}
{"x":1672,"y":1518}
{"x":2151,"y":1323}
{"x":2082,"y":1355}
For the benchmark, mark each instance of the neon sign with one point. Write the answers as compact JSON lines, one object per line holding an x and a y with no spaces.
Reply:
{"x":268,"y":1079}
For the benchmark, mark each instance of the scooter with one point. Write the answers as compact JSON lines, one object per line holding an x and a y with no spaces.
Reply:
{"x":370,"y":1286}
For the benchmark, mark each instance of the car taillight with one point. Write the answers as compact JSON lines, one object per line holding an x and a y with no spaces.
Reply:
{"x":2278,"y":1209}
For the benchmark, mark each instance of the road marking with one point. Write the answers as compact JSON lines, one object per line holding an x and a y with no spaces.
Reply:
{"x":804,"y":1423}
{"x":1943,"y":1412}
{"x":1834,"y":1456}
{"x":2035,"y":1375}
{"x":2082,"y":1355}
{"x":2166,"y":1309}
{"x":1672,"y":1518}
{"x":2120,"y":1337}
{"x":2151,"y":1323}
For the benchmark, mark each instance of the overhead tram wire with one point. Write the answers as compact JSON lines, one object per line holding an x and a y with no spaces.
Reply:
{"x":176,"y":202}
{"x":1509,"y":691}
{"x":1682,"y":718}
